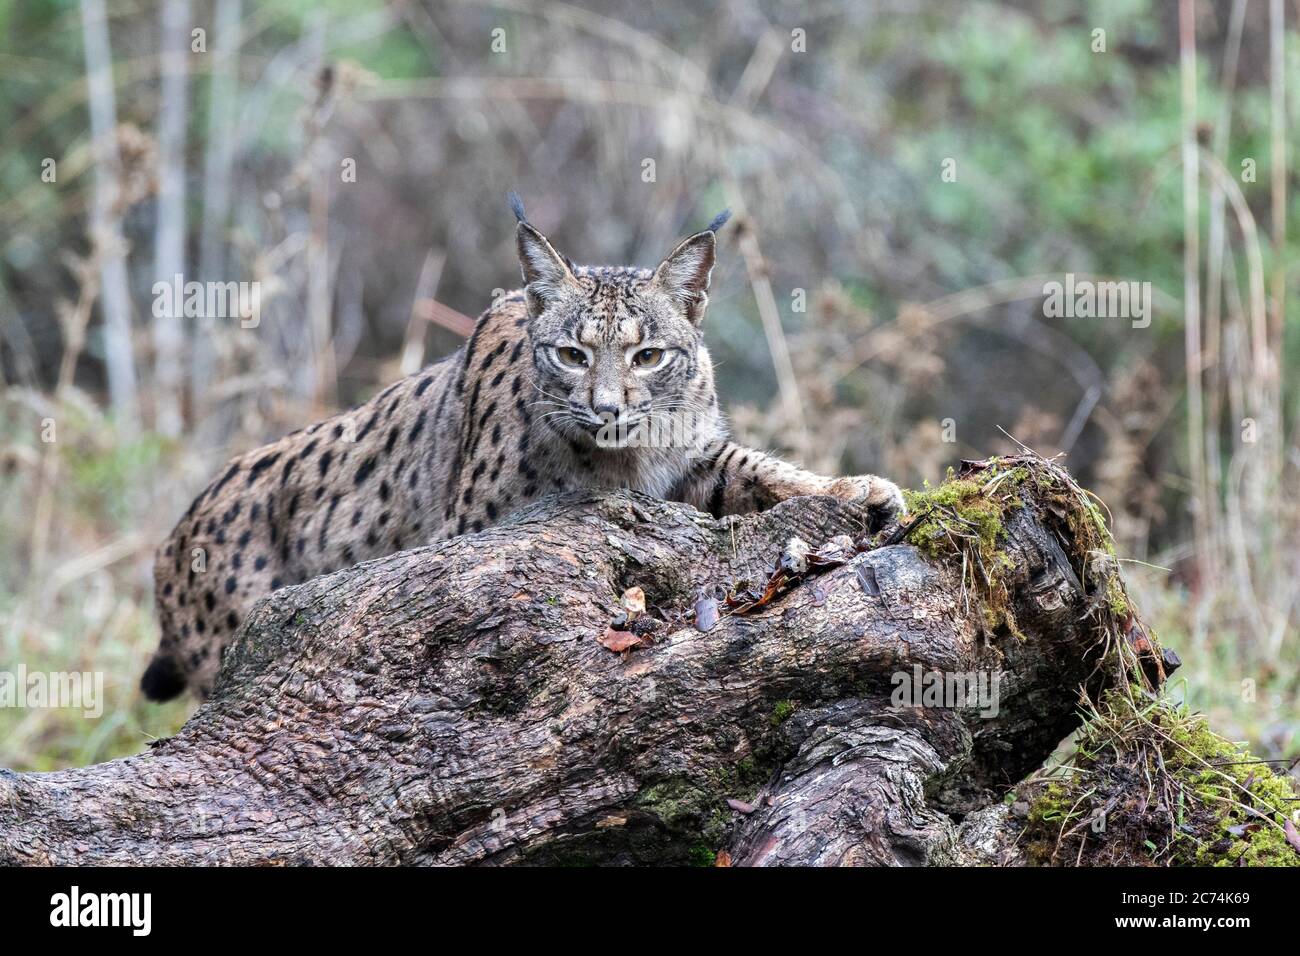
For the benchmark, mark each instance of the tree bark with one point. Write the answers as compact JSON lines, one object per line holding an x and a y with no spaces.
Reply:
{"x":455,"y":705}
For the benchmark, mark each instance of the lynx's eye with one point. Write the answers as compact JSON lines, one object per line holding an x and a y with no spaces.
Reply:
{"x":574,"y":358}
{"x":648,"y":358}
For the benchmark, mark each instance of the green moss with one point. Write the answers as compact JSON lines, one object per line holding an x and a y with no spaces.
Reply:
{"x":1116,"y":599}
{"x":1088,"y":524}
{"x":1151,"y":784}
{"x":679,"y":820}
{"x":1245,"y":792}
{"x":686,"y":807}
{"x":701,"y":855}
{"x":1048,"y":814}
{"x":694,"y":811}
{"x":781,"y":712}
{"x":965,"y":518}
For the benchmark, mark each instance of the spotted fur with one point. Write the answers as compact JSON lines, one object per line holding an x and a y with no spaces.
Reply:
{"x":508,"y":418}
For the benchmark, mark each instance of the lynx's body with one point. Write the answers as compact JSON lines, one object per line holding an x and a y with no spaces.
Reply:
{"x":574,"y":382}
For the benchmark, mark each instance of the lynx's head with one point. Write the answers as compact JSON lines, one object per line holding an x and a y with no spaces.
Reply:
{"x":618,"y":345}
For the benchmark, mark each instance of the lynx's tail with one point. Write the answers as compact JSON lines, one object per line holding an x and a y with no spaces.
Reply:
{"x":162,"y":679}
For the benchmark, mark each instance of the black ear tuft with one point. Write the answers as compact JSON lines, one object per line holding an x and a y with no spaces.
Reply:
{"x":516,"y":205}
{"x":719,"y":221}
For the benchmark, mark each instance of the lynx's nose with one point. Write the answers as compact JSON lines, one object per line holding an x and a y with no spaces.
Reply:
{"x":606,"y":410}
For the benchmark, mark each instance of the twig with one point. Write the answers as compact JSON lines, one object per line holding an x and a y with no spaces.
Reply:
{"x":756,"y":267}
{"x":1191,"y":288}
{"x":413,"y":342}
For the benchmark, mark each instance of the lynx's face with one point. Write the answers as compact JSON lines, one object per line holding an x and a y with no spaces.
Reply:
{"x":617,"y":346}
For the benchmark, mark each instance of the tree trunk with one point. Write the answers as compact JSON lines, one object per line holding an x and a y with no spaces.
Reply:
{"x":456,"y":704}
{"x":218,"y":166}
{"x":105,"y":219}
{"x":169,"y":238}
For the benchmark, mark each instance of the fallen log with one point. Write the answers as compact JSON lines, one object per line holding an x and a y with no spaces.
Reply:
{"x":776,"y":704}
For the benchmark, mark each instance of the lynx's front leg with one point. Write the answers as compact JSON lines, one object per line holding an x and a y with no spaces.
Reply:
{"x":737,"y":480}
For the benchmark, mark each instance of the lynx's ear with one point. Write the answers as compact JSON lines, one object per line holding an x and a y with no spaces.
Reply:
{"x":545,"y":271}
{"x":684,"y":275}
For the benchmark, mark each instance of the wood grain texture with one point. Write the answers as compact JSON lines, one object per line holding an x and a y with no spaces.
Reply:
{"x":452,"y":705}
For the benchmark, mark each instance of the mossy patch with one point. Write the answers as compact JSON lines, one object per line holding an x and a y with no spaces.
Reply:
{"x":781,"y":712}
{"x":701,"y":855}
{"x":690,"y":810}
{"x":965,"y":518}
{"x":1151,"y":784}
{"x":679,"y":803}
{"x":693,"y":812}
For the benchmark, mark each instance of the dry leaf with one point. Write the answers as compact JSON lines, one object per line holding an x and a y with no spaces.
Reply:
{"x":619,"y":641}
{"x":1292,"y":835}
{"x":722,"y":859}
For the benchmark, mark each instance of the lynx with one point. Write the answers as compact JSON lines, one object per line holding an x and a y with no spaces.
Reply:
{"x":563,"y":385}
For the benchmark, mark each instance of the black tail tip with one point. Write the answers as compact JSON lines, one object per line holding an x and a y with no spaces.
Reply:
{"x":516,"y":205}
{"x":162,"y":679}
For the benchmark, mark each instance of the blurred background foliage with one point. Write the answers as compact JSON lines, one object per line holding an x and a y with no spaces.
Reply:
{"x":867,"y":314}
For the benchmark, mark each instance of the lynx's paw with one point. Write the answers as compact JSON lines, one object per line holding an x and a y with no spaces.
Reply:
{"x":881,"y":496}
